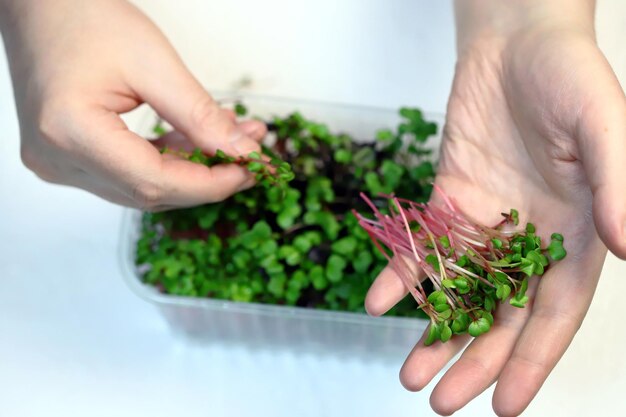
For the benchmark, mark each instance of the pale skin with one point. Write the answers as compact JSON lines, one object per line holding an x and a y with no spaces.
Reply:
{"x":76,"y":66}
{"x":536,"y":121}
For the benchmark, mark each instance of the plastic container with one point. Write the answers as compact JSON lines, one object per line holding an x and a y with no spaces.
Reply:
{"x":261,"y":326}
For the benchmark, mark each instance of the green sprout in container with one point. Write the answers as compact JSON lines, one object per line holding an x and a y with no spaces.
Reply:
{"x":291,"y":240}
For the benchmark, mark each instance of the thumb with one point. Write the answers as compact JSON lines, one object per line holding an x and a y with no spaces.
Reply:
{"x":602,"y":140}
{"x":180,"y":99}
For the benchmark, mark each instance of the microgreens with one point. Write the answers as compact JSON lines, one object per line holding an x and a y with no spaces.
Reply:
{"x":268,"y":172}
{"x":290,"y":242}
{"x":471,"y":267}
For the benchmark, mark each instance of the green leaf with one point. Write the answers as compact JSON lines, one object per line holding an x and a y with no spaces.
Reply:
{"x":474,"y":329}
{"x":414,"y":226}
{"x":241,"y":258}
{"x":503,"y":292}
{"x":392,"y":173}
{"x":557,"y":236}
{"x":444,"y":315}
{"x":497,"y":243}
{"x":488,"y":316}
{"x":478,"y":327}
{"x":272,"y":265}
{"x":334,"y":268}
{"x":364,"y":157}
{"x":501,"y":277}
{"x":460,"y":324}
{"x":209,"y":216}
{"x":276,"y":284}
{"x":489,"y":303}
{"x":292,"y":295}
{"x":287,"y":217}
{"x":240,"y":109}
{"x":519,"y":302}
{"x":159,"y":129}
{"x":256,"y":166}
{"x":433,"y":334}
{"x":437,"y":297}
{"x":362,"y":261}
{"x":319,"y":190}
{"x":344,"y":246}
{"x":342,"y":156}
{"x":318,"y":278}
{"x":433,"y":261}
{"x":305,"y":241}
{"x":445,"y":242}
{"x":266,"y":248}
{"x":461,"y":283}
{"x":326,"y":220}
{"x":448,"y":283}
{"x":384,"y":135}
{"x":423,"y":171}
{"x":254,"y":155}
{"x":527,"y":267}
{"x":373,"y":184}
{"x":445,"y":333}
{"x":199,"y":157}
{"x":262,"y":230}
{"x":524,"y":287}
{"x":440,"y":308}
{"x":290,"y":254}
{"x":556,"y":250}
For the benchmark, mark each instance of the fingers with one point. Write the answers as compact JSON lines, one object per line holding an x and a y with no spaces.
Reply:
{"x":254,"y":129}
{"x":424,"y":362}
{"x":177,"y":140}
{"x":180,"y":99}
{"x":200,"y":184}
{"x":602,"y":139}
{"x":174,"y":140}
{"x":482,"y":361}
{"x":131,"y":166}
{"x":562,"y":300}
{"x":387,"y":290}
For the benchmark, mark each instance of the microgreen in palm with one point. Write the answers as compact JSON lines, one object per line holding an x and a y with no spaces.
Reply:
{"x":472,"y":267}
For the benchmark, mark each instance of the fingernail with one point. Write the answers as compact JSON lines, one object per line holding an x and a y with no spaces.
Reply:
{"x":254,"y":129}
{"x":243,"y":145}
{"x":257,"y":130}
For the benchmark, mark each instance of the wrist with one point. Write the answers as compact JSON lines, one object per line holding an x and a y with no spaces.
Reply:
{"x":479,"y":20}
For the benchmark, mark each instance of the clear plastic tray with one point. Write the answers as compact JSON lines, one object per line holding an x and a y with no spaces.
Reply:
{"x":261,"y":326}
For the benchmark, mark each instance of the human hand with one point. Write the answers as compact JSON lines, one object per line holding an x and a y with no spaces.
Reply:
{"x":536,"y":121}
{"x":76,"y":66}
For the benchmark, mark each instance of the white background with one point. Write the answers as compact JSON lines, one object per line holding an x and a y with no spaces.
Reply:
{"x":74,"y":341}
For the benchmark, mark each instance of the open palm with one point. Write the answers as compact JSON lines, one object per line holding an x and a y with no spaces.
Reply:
{"x":537,"y":124}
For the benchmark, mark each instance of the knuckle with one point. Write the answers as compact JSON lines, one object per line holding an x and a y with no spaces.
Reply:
{"x":147,"y":195}
{"x":205,"y":113}
{"x":561,"y":318}
{"x":53,"y":121}
{"x":29,"y":158}
{"x":33,"y":161}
